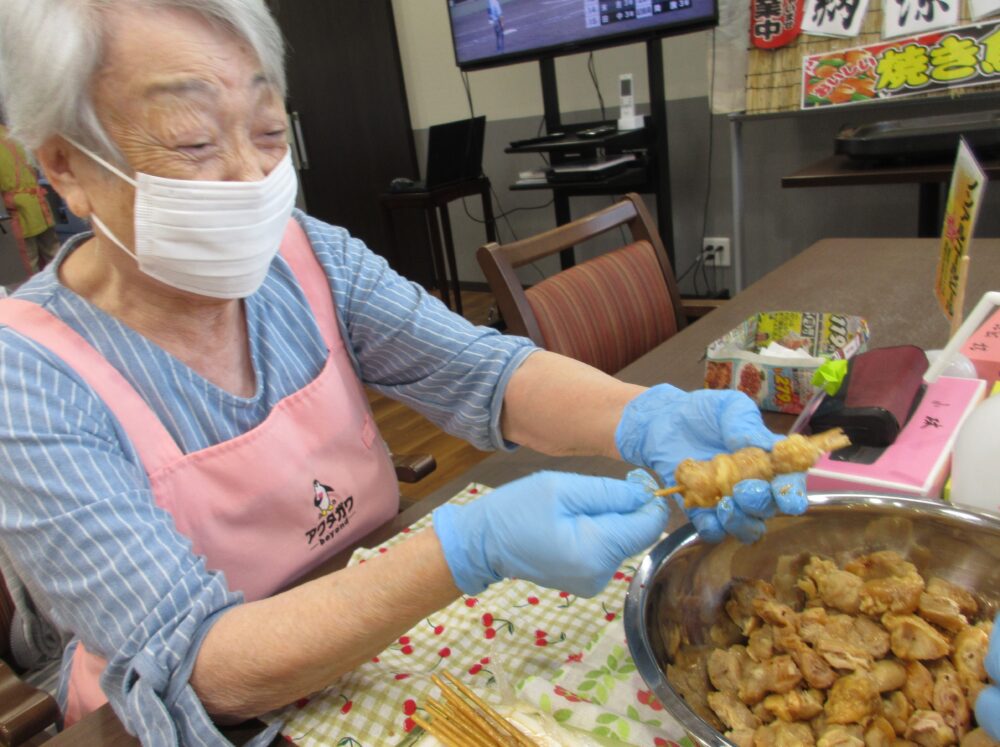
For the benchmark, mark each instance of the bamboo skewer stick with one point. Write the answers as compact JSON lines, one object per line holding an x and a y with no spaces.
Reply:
{"x":469,"y":732}
{"x":437,"y":732}
{"x":463,"y":719}
{"x":465,"y":711}
{"x":489,"y":713}
{"x":475,"y":730}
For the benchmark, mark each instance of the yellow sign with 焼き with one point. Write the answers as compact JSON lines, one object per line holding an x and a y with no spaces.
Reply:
{"x":968,"y":181}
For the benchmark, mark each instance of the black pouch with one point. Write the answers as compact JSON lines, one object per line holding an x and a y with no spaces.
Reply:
{"x":881,"y":390}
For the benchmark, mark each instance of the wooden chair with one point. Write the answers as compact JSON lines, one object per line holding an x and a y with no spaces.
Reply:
{"x":413,"y":467}
{"x":607,"y":311}
{"x":25,"y":711}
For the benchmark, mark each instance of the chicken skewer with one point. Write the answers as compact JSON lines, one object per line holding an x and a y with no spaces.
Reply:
{"x":703,"y":484}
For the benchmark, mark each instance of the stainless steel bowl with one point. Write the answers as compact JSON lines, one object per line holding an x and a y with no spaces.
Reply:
{"x":685,"y":581}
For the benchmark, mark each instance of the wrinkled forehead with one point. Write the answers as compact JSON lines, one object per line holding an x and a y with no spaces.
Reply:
{"x":151,"y":53}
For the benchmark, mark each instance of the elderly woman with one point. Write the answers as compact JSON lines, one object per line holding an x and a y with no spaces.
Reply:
{"x":185,"y":430}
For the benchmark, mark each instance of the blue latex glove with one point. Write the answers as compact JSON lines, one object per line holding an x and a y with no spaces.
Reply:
{"x":988,"y":703}
{"x":556,"y":529}
{"x":665,"y":425}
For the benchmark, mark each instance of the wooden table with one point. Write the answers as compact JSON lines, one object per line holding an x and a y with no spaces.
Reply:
{"x":839,"y":171}
{"x":887,"y":281}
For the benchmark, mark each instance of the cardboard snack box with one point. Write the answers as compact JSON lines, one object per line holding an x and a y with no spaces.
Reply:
{"x":778,"y":383}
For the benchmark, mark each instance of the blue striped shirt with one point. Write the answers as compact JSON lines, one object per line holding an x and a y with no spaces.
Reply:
{"x":77,"y":516}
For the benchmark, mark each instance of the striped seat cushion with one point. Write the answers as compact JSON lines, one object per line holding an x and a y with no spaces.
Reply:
{"x":607,"y":311}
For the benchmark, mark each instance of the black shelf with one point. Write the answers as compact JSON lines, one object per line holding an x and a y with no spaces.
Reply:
{"x":613,"y":142}
{"x":633,"y":179}
{"x":651,"y":176}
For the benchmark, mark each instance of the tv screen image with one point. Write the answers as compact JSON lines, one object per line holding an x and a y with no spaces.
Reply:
{"x":496,"y":32}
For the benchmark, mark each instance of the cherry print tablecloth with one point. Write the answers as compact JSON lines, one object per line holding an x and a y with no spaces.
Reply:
{"x":560,"y":656}
{"x":600,"y":693}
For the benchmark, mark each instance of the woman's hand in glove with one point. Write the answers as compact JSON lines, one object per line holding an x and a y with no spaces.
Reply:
{"x":988,"y":702}
{"x":665,"y":425}
{"x":564,"y":531}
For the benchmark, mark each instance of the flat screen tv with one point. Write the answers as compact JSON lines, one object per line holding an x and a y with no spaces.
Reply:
{"x":487,"y":33}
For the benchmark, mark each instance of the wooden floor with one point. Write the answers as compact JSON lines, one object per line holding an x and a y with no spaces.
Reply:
{"x":408,"y":432}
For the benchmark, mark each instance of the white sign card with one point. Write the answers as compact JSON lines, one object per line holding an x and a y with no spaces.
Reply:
{"x":835,"y":17}
{"x":982,"y":8}
{"x":914,"y":17}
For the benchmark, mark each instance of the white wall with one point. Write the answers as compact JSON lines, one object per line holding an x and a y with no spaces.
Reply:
{"x":511,"y":99}
{"x":434,"y":84}
{"x":778,"y":223}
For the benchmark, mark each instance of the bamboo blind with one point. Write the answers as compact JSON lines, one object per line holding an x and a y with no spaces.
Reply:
{"x":774,"y":77}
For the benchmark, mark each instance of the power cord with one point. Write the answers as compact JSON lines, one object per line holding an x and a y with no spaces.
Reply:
{"x":468,"y":93}
{"x":500,"y":213}
{"x":621,"y":229}
{"x":690,"y":267}
{"x":591,"y":66}
{"x":699,"y":265}
{"x":504,"y":214}
{"x":709,"y":285}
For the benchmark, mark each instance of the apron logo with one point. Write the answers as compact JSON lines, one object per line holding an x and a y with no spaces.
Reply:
{"x":334,"y":514}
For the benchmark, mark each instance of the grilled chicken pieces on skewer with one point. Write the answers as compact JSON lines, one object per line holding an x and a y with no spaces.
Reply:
{"x":703,"y":484}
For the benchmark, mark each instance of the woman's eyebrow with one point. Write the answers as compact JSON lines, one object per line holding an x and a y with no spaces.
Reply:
{"x":178,"y":86}
{"x":182,"y":86}
{"x":263,"y":85}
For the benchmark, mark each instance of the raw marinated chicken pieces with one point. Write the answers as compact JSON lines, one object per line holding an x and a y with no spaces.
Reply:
{"x":869,"y":654}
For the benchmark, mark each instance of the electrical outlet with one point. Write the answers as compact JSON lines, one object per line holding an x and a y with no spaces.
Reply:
{"x":718,"y":249}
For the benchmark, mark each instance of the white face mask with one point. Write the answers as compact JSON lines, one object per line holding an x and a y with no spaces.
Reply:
{"x":215,"y":239}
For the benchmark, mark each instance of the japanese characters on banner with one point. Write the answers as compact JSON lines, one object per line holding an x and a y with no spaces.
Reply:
{"x":909,"y":17}
{"x":775,"y":23}
{"x":835,"y":17}
{"x":965,"y":56}
{"x":968,"y":182}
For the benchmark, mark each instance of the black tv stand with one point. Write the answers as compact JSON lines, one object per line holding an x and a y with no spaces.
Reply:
{"x":532,"y":141}
{"x":570,"y":141}
{"x":650,"y":175}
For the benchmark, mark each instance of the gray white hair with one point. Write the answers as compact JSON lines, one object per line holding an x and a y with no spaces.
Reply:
{"x":51,"y":49}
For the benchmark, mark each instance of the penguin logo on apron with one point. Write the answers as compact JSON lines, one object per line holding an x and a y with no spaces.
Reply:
{"x":321,"y":497}
{"x":327,"y":502}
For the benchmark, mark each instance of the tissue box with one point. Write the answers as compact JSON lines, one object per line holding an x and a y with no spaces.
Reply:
{"x":779,"y":383}
{"x":983,"y":349}
{"x":916,"y":464}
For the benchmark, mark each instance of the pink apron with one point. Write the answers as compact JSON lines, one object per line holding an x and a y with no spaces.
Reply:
{"x":264,"y":507}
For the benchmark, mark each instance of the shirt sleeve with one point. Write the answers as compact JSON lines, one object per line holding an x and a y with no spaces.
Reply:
{"x":98,"y":556}
{"x":411,"y":347}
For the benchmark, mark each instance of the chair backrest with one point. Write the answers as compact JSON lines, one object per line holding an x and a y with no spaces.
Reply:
{"x":25,"y":710}
{"x":607,"y":311}
{"x":6,"y":620}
